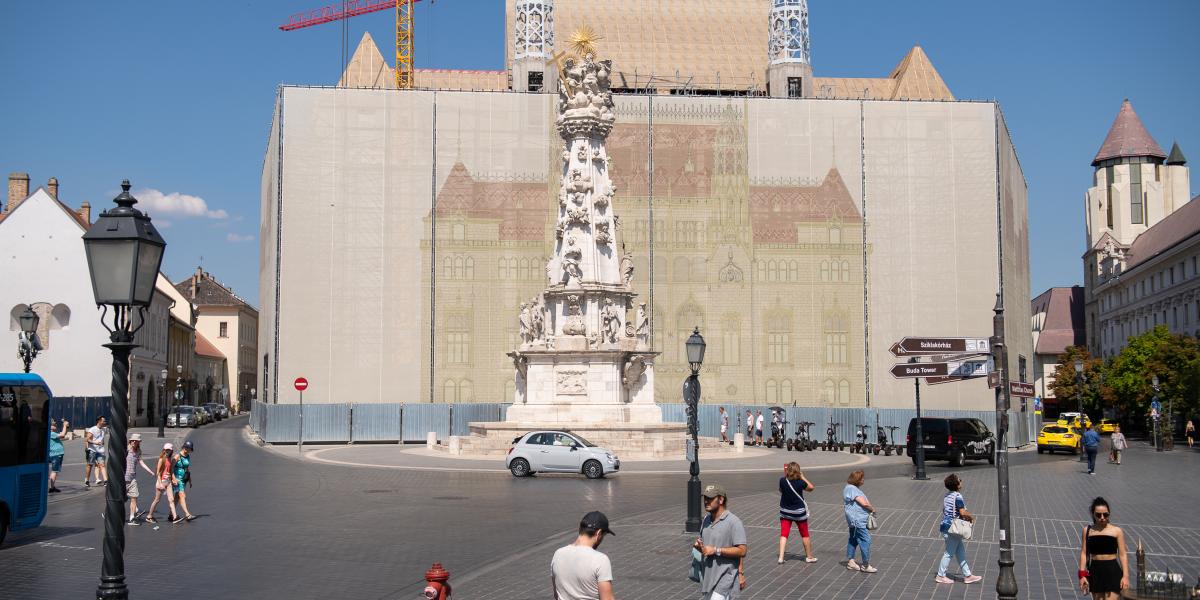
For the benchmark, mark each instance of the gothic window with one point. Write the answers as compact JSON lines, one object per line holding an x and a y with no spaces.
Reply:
{"x":762,"y":270}
{"x":448,"y":268}
{"x":793,"y":272}
{"x":828,"y":392}
{"x":449,"y":392}
{"x":785,"y":392}
{"x":772,"y":392}
{"x":503,"y":270}
{"x":458,"y":340}
{"x":845,"y":270}
{"x":824,"y":270}
{"x":835,"y":235}
{"x":779,"y":339}
{"x":731,"y":340}
{"x":843,"y":392}
{"x":835,"y":339}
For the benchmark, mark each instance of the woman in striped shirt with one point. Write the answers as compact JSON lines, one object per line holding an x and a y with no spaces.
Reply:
{"x":793,"y":509}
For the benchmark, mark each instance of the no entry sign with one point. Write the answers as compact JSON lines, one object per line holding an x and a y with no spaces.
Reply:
{"x":301,"y":384}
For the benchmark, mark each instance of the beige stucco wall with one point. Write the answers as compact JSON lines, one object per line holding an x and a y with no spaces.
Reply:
{"x":358,"y":263}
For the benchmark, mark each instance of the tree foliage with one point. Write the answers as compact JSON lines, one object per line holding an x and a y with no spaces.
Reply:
{"x":1125,"y":382}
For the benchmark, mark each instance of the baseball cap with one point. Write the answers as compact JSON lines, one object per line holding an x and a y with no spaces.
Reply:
{"x":595,"y":520}
{"x":188,"y":446}
{"x":713,"y":490}
{"x":135,"y":437}
{"x":168,"y":446}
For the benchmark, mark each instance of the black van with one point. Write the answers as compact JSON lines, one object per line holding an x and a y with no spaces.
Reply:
{"x":955,"y":440}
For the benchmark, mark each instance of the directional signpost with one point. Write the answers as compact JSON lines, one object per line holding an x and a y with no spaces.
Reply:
{"x":1021,"y":389}
{"x":922,"y":346}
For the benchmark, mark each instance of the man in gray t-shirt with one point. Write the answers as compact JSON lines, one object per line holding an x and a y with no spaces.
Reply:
{"x":579,"y":571}
{"x":723,"y":544}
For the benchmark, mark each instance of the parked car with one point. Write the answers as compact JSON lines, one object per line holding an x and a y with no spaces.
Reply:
{"x":955,"y":440}
{"x":218,"y":412}
{"x":182,"y":416}
{"x":204,"y":416}
{"x":559,"y":452}
{"x":1058,"y":437}
{"x":225,"y":414}
{"x":1108,"y":425}
{"x":1075,"y":419}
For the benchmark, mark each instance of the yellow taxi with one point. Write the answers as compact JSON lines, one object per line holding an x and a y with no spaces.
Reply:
{"x":1073,"y":419}
{"x":1108,"y":425}
{"x":1058,"y":437}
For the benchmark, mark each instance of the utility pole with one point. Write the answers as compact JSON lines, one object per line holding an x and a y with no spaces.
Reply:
{"x":1006,"y":582}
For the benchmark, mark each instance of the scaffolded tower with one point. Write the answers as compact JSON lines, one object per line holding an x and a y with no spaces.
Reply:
{"x":789,"y":70}
{"x":533,"y":45}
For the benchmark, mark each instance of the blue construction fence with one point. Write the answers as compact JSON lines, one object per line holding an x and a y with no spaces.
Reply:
{"x":80,"y":411}
{"x":349,"y":423}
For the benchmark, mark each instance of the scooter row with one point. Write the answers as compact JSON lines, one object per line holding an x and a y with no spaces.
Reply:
{"x":884,"y":440}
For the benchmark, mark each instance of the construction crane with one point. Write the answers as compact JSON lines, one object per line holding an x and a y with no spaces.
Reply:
{"x":354,"y":8}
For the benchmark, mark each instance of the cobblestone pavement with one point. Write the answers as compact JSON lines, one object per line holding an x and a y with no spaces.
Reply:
{"x":277,"y":527}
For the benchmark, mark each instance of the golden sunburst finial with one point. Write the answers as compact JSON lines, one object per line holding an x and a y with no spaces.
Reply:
{"x":583,"y":41}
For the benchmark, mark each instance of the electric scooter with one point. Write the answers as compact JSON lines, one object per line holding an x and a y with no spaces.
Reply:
{"x":892,"y":440}
{"x":778,"y":428}
{"x":803,"y":440}
{"x":831,"y":443}
{"x":860,"y":440}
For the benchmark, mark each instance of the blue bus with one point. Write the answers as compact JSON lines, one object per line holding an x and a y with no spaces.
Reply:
{"x":24,"y":437}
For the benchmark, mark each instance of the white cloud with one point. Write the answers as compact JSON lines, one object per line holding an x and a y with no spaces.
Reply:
{"x":235,"y":238}
{"x":176,"y":204}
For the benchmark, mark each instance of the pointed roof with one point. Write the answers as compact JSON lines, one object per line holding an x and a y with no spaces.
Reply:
{"x":1176,"y":157}
{"x":367,"y":68}
{"x":1127,"y":137}
{"x":916,"y":78}
{"x":1063,"y":324}
{"x":202,"y":290}
{"x":41,"y":192}
{"x":206,"y":348}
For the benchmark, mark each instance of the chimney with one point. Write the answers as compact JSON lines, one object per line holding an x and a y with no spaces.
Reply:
{"x":85,"y":212}
{"x":196,"y":282}
{"x":52,"y":187}
{"x":18,"y":189}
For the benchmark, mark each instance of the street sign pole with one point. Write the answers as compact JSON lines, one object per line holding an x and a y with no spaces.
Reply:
{"x":1006,"y":582}
{"x":300,"y":439}
{"x":919,"y":444}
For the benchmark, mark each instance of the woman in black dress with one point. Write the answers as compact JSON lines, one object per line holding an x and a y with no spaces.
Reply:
{"x":1103,"y":563}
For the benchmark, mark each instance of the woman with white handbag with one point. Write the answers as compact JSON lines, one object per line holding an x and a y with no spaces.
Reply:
{"x":956,"y":530}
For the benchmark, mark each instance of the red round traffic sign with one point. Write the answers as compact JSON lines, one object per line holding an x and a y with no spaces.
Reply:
{"x":301,"y":384}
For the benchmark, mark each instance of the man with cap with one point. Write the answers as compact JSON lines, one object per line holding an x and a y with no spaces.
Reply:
{"x":132,"y":459}
{"x":722,"y":542}
{"x":579,"y":571}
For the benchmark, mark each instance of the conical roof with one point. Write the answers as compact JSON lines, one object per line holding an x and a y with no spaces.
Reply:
{"x":367,"y":68}
{"x":916,"y":78}
{"x":1127,"y":137}
{"x":1176,"y":157}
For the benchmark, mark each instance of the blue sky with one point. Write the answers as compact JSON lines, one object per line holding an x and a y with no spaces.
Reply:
{"x":177,"y":97}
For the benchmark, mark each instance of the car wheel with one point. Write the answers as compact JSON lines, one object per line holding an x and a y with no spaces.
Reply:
{"x":519,"y":467}
{"x":957,"y":459}
{"x":1041,"y":450}
{"x":992,"y":454}
{"x":593,"y":470}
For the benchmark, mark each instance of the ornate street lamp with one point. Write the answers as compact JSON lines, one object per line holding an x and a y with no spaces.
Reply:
{"x":124,"y":253}
{"x":162,"y":404}
{"x":1006,"y":579}
{"x":1079,"y":386}
{"x":28,"y":346}
{"x":1158,"y":443}
{"x":691,"y":395}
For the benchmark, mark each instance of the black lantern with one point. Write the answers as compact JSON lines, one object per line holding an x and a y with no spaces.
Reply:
{"x":28,"y":346}
{"x":124,"y":253}
{"x":695,"y":350}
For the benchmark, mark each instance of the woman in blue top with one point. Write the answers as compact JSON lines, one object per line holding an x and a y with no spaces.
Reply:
{"x":183,"y":476}
{"x":954,"y":507}
{"x":857,"y":507}
{"x":793,"y":509}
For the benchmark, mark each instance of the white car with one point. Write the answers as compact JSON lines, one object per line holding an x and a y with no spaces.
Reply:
{"x":559,"y":452}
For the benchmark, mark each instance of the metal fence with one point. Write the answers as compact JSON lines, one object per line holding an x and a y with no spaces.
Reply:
{"x":280,"y":423}
{"x":80,"y":411}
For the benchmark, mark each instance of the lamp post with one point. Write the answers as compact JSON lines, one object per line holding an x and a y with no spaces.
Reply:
{"x":691,"y":395}
{"x":27,"y":344}
{"x":162,"y":403}
{"x":178,"y":384}
{"x":124,"y":253}
{"x":1154,"y":413}
{"x":919,"y":475}
{"x":1006,"y":582}
{"x":1079,"y":381}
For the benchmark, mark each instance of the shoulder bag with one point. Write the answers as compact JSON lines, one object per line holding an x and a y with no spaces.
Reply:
{"x":960,"y":528}
{"x":872,"y":524}
{"x":696,"y":570}
{"x":803,"y":512}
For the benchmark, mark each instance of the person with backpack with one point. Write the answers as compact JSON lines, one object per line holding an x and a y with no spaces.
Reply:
{"x":183,"y":478}
{"x":793,"y":509}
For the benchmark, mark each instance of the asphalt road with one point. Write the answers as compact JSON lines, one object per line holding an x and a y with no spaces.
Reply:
{"x":277,"y":527}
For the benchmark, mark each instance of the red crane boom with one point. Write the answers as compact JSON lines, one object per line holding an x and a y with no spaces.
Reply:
{"x":337,"y":12}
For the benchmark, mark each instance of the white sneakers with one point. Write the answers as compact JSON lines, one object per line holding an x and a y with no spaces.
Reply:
{"x":853,"y":566}
{"x":971,"y":579}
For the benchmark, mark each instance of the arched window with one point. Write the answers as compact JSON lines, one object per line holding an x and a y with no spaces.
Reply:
{"x":448,"y":268}
{"x":844,"y":392}
{"x":772,"y":392}
{"x":793,"y":271}
{"x":762,"y":270}
{"x":469,"y":271}
{"x":779,"y":339}
{"x":828,"y":392}
{"x":835,"y":339}
{"x":458,"y":267}
{"x":824,"y":270}
{"x":503,"y":270}
{"x":785,"y":392}
{"x":845,"y":270}
{"x":449,"y":392}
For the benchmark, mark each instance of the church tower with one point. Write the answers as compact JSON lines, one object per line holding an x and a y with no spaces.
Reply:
{"x":533,"y":46}
{"x":789,"y":72}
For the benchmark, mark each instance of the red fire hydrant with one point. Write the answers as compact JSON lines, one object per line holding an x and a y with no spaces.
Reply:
{"x":437,"y":583}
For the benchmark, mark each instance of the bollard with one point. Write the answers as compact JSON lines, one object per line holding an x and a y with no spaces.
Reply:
{"x":430,"y":440}
{"x":454,"y":445}
{"x":739,"y":442}
{"x":437,"y":583}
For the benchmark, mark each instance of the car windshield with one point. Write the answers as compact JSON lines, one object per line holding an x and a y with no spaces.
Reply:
{"x":583,"y":441}
{"x":183,"y":410}
{"x":1054,"y":429}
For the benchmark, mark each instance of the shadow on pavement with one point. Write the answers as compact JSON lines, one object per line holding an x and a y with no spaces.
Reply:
{"x":40,"y":534}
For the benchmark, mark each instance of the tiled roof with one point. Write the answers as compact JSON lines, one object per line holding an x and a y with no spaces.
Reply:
{"x":1174,"y":228}
{"x":775,"y":210}
{"x":208,"y":291}
{"x":1176,"y":157}
{"x":520,"y":206}
{"x":206,"y":348}
{"x":1064,"y":323}
{"x":1128,"y":137}
{"x":75,"y":216}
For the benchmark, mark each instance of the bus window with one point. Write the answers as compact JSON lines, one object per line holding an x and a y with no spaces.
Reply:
{"x":24,"y":423}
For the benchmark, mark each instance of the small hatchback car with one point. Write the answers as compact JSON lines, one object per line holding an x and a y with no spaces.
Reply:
{"x":1058,"y":437}
{"x":559,"y":452}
